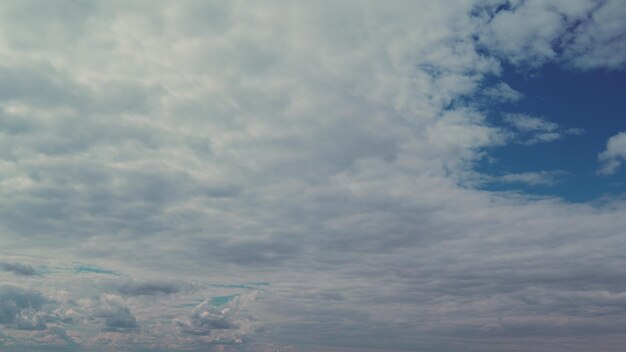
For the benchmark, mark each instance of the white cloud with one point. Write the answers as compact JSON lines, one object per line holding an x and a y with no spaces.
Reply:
{"x":541,"y":178}
{"x":599,"y":42}
{"x":503,"y":92}
{"x":526,"y":123}
{"x":531,"y":130}
{"x":614,"y":155}
{"x":583,"y":34}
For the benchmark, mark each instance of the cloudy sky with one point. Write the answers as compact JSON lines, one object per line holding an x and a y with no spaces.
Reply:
{"x":302,"y":176}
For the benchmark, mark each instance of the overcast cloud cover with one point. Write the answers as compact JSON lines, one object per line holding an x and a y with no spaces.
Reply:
{"x":297,"y":176}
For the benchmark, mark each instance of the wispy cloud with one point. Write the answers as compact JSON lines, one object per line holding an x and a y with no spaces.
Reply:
{"x":541,"y":178}
{"x":531,"y":130}
{"x":502,"y":92}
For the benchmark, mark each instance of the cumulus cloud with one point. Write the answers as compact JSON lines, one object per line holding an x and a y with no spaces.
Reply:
{"x":203,"y":318}
{"x":226,"y":323}
{"x":114,"y":313}
{"x":614,"y":154}
{"x":19,"y":308}
{"x":599,"y":41}
{"x":582,"y":34}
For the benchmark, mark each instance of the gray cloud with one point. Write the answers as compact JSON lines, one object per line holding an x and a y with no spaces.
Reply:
{"x":18,"y":269}
{"x":132,"y":288}
{"x":19,"y":308}
{"x":228,"y":323}
{"x":204,"y":318}
{"x":114,"y":313}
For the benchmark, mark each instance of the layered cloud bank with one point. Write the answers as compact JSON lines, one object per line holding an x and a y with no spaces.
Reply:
{"x":227,"y":175}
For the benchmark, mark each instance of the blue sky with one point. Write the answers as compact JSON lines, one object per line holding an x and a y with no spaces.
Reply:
{"x":590,"y":100}
{"x":354,"y":176}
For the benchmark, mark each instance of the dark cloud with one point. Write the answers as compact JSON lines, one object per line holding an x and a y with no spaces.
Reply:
{"x":19,"y":308}
{"x":133,"y":288}
{"x":18,"y":269}
{"x":115,"y":314}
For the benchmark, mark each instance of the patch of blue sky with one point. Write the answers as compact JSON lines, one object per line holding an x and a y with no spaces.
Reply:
{"x":593,"y":101}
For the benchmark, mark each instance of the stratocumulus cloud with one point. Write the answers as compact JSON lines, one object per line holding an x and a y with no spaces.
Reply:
{"x":296,"y":176}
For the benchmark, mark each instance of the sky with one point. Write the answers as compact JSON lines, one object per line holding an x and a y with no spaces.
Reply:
{"x":311,"y":176}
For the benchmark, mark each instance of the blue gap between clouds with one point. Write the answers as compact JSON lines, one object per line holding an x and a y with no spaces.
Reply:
{"x":593,"y":100}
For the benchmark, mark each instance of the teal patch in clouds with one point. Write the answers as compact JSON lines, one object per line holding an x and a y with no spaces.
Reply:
{"x":43,"y":270}
{"x":221,"y":300}
{"x":245,"y":286}
{"x":260,"y":283}
{"x":86,"y":268}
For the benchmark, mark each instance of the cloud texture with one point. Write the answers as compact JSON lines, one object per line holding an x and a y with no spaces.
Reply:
{"x":314,"y":160}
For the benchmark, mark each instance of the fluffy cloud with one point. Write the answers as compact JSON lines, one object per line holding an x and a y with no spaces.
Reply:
{"x":113,"y":313}
{"x":599,"y":41}
{"x":582,"y":34}
{"x":204,"y":317}
{"x":614,"y":155}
